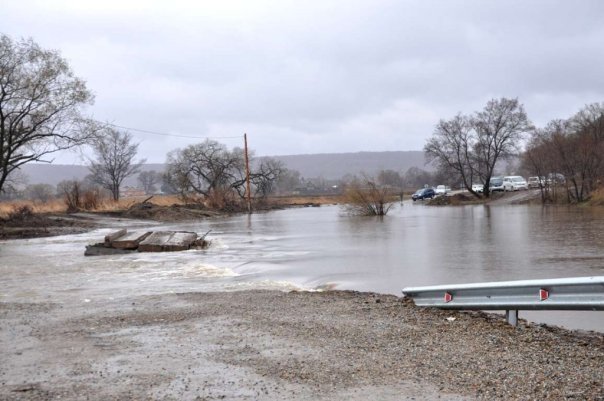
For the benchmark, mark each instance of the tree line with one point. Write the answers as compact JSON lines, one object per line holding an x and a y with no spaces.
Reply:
{"x":41,"y":113}
{"x":566,"y":153}
{"x":468,"y":147}
{"x":570,"y":151}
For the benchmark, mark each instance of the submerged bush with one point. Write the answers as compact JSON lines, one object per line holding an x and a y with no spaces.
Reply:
{"x":366,"y":198}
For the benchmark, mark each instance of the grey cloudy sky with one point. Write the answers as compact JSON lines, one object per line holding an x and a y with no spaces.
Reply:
{"x":317,"y":76}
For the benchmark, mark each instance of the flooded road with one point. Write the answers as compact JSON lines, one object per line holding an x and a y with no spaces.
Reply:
{"x":317,"y":248}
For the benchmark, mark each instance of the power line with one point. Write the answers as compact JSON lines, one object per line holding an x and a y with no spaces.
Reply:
{"x":173,"y":135}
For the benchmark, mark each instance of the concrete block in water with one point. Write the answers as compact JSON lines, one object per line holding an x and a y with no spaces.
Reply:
{"x":130,"y":240}
{"x":167,"y":241}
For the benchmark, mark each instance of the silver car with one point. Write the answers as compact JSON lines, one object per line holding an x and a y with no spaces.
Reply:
{"x":514,"y":183}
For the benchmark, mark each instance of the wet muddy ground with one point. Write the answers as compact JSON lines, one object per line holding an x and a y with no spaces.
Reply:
{"x":31,"y":225}
{"x":270,"y":345}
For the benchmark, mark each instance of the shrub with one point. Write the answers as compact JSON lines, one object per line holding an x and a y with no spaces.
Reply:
{"x":91,"y":199}
{"x":20,"y":213}
{"x":366,"y":199}
{"x":223,"y":199}
{"x":71,"y":192}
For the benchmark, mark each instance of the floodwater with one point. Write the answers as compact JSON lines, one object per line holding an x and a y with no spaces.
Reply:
{"x":320,"y":248}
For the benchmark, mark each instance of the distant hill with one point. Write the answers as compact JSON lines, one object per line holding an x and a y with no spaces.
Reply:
{"x":327,"y":165}
{"x":337,"y":165}
{"x":42,"y":173}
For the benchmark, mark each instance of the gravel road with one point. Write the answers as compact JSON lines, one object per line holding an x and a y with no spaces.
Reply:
{"x":268,"y":345}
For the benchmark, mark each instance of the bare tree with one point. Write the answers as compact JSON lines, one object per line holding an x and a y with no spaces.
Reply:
{"x":590,"y":121}
{"x":40,"y":192}
{"x":263,"y":177}
{"x":588,"y":138}
{"x":416,"y":177}
{"x":472,"y":146}
{"x":539,"y":159}
{"x":80,"y":195}
{"x":499,"y":128}
{"x":579,"y":148}
{"x":573,"y":148}
{"x":14,"y":185}
{"x":203,"y":168}
{"x":212,"y":172}
{"x":288,"y":180}
{"x":71,"y":191}
{"x":115,"y":155}
{"x":40,"y":102}
{"x":451,"y":148}
{"x":390,"y":178}
{"x":149,"y":180}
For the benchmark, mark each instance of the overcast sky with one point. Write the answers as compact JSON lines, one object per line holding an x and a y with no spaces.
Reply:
{"x":317,"y":76}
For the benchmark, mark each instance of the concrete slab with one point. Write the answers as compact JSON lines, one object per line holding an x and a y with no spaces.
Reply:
{"x":130,"y":240}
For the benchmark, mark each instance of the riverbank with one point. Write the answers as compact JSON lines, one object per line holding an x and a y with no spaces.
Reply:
{"x":269,"y":345}
{"x":24,"y":223}
{"x":23,"y":219}
{"x":43,"y":220}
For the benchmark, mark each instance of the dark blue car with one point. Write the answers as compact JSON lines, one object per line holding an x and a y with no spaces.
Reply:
{"x":424,"y":193}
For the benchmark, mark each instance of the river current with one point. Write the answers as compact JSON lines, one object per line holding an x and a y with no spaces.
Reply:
{"x":323,"y":248}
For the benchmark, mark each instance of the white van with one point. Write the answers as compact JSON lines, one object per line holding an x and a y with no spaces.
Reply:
{"x":514,"y":183}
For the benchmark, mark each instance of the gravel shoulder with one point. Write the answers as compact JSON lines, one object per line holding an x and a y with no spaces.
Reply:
{"x":269,"y":345}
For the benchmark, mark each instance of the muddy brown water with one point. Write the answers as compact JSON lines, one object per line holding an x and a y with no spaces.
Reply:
{"x":319,"y":248}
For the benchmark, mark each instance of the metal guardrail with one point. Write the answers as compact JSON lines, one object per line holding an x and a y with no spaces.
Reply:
{"x":578,"y":293}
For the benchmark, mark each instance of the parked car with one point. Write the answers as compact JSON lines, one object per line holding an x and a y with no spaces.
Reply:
{"x":555,"y":178}
{"x":442,"y":190}
{"x":514,"y":183}
{"x":423,"y":193}
{"x":478,"y":188}
{"x":536,"y":182}
{"x":496,"y":184}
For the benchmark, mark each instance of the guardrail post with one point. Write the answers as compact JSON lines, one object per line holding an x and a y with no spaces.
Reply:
{"x":512,"y":317}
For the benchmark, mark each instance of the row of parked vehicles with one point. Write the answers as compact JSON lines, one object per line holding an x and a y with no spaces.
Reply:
{"x":516,"y":183}
{"x":507,"y":183}
{"x":503,"y":184}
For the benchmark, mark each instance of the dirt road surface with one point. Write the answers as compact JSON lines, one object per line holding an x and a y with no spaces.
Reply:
{"x":269,"y":345}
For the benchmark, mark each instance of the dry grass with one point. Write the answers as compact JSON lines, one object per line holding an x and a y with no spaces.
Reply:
{"x":304,"y":200}
{"x":109,"y":205}
{"x":53,"y":206}
{"x":106,"y":205}
{"x":596,"y":198}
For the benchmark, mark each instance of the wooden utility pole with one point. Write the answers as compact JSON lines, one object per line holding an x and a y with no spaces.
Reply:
{"x":247,"y":177}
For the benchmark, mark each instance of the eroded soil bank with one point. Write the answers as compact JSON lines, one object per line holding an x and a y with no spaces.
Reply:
{"x":268,"y":345}
{"x":30,"y":225}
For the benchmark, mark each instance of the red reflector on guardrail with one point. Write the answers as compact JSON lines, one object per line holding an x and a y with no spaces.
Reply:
{"x":448,"y":297}
{"x":543,"y":294}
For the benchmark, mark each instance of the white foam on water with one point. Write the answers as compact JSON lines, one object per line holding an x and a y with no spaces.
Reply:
{"x":279,"y":285}
{"x":205,"y":270}
{"x":218,"y":243}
